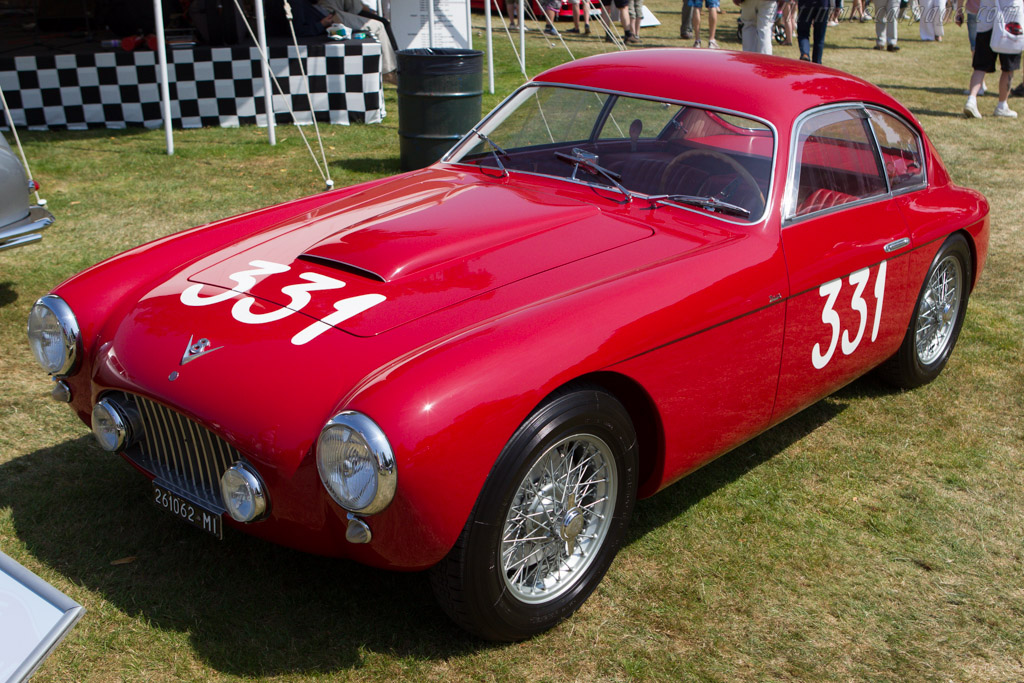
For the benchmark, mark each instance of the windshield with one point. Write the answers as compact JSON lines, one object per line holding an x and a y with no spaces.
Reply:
{"x":629,"y":145}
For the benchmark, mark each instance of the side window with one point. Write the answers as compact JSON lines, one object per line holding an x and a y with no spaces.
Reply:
{"x":901,"y":150}
{"x":836,"y":162}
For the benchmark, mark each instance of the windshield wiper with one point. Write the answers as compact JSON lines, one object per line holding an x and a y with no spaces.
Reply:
{"x":496,"y":150}
{"x":588,"y":162}
{"x":703,"y":202}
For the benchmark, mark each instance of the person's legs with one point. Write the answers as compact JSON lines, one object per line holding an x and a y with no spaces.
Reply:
{"x":765,"y":21}
{"x":712,"y":22}
{"x":789,"y":21}
{"x":803,"y":31}
{"x":1005,"y":80}
{"x":636,"y":7}
{"x":984,"y":61}
{"x":819,"y":38}
{"x":685,"y":27}
{"x":695,"y":23}
{"x":549,"y":11}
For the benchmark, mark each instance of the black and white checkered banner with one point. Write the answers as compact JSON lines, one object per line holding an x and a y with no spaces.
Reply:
{"x":209,"y":87}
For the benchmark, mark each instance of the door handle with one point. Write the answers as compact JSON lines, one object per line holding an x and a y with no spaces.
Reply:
{"x":897,"y":245}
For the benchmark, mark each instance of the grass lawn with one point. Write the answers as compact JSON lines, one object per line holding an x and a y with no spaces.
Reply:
{"x":875,"y":536}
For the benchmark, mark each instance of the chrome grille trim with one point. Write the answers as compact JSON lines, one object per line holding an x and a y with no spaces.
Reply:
{"x":181,"y":454}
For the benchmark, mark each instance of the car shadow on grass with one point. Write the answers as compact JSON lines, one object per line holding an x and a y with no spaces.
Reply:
{"x":676,"y":499}
{"x":251,"y":608}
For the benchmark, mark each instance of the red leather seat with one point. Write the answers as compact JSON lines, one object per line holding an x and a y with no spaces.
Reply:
{"x":822,"y":199}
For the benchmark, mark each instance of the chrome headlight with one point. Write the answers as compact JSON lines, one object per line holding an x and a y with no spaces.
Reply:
{"x":356,"y":464}
{"x":243,"y":493}
{"x":53,"y":335}
{"x":114,"y":425}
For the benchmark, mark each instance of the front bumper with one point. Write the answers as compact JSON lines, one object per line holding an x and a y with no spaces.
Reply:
{"x":25,"y":231}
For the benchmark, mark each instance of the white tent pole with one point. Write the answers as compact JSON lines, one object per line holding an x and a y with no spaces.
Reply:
{"x":522,"y":36}
{"x":430,"y":28}
{"x":490,"y":46}
{"x":268,"y":93}
{"x":165,"y":88}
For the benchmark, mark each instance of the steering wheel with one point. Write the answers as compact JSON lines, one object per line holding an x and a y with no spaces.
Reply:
{"x":741,"y":172}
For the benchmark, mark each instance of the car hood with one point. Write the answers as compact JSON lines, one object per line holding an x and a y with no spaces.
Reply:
{"x":412,"y":246}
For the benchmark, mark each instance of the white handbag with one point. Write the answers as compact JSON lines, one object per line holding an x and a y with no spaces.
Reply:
{"x":1007,"y":33}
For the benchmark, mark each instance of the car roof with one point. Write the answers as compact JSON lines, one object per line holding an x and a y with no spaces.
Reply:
{"x":776,"y":89}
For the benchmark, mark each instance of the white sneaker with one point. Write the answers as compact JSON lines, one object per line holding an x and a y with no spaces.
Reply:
{"x":1003,"y":109}
{"x":696,"y":43}
{"x":971,"y":110}
{"x":712,"y":44}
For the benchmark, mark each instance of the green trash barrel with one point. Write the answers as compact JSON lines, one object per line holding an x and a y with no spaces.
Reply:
{"x":440,"y":96}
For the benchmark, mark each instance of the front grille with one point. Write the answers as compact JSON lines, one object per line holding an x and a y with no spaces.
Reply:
{"x":182,"y":454}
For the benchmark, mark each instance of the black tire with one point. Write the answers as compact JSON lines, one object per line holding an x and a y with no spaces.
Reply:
{"x":532,"y":552}
{"x":938,"y":316}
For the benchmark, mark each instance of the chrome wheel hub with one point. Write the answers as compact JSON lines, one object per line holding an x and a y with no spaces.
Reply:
{"x":937,"y":312}
{"x":559,"y":518}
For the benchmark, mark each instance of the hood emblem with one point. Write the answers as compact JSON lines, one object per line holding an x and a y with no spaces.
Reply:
{"x":199,"y":348}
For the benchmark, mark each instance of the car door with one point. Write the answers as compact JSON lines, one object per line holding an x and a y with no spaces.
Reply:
{"x":846,"y":246}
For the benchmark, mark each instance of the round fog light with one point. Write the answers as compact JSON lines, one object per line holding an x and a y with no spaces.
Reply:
{"x":243,"y":493}
{"x":111,"y":425}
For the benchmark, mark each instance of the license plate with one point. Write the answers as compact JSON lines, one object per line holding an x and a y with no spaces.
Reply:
{"x":188,"y":511}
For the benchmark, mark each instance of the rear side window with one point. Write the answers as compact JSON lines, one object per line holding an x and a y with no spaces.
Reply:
{"x":901,"y":150}
{"x":836,"y":162}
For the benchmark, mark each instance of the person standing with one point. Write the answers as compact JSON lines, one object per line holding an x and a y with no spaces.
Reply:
{"x":812,"y":15}
{"x":712,"y":6}
{"x":985,"y":62}
{"x":636,"y":12}
{"x":886,"y":20}
{"x":932,"y":14}
{"x":789,"y":20}
{"x":757,"y":16}
{"x":551,"y":8}
{"x":577,"y":7}
{"x":685,"y":19}
{"x":971,"y":7}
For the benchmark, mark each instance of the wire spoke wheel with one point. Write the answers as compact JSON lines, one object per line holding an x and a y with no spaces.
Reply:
{"x":937,"y":319}
{"x":559,"y":518}
{"x":939,"y":309}
{"x":549,"y":520}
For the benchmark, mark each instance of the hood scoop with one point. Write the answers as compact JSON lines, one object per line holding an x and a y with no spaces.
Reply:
{"x":342,"y":267}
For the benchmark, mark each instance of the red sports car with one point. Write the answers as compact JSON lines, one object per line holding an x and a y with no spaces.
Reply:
{"x":635,"y":263}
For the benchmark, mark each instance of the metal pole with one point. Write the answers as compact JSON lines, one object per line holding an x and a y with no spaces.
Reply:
{"x":490,"y":46}
{"x":268,"y":93}
{"x":430,"y":28}
{"x":165,"y":88}
{"x":522,"y":36}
